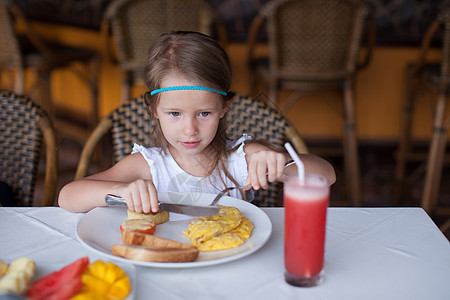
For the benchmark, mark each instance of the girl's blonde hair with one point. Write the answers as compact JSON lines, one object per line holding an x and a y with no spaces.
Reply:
{"x":202,"y":61}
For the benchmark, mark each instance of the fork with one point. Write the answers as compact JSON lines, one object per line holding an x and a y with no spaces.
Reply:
{"x":225,"y":190}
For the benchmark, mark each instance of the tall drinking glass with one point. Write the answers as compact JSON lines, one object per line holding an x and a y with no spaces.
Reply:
{"x":304,"y":234}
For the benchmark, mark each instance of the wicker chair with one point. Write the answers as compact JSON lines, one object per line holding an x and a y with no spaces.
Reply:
{"x":314,"y":46}
{"x":425,"y":77}
{"x":23,"y":51}
{"x":24,"y":131}
{"x":130,"y":124}
{"x":135,"y":24}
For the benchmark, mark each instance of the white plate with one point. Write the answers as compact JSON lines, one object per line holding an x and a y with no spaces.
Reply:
{"x":99,"y":229}
{"x":47,"y":268}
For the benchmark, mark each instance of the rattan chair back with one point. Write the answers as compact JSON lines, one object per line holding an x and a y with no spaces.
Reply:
{"x":135,"y":24}
{"x":10,"y":53}
{"x":131,"y":124}
{"x":311,"y":41}
{"x":25,"y":131}
{"x":263,"y":122}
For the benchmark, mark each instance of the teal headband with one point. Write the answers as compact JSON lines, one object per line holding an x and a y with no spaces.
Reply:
{"x":188,"y":87}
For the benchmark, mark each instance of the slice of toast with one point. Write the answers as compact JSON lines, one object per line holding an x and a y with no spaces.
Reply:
{"x":135,"y":238}
{"x":154,"y":254}
{"x":146,"y":247}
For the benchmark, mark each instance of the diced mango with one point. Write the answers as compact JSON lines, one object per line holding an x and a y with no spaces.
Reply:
{"x":120,"y":289}
{"x":104,"y":281}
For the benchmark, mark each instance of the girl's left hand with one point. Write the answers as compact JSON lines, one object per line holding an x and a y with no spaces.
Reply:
{"x":265,"y":166}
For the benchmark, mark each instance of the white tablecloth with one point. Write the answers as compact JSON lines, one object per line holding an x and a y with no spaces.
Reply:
{"x":371,"y":253}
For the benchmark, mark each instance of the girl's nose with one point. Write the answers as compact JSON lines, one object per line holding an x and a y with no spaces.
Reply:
{"x":190,"y":127}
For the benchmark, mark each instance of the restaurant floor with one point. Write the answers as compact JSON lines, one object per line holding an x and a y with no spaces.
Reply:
{"x":377,"y":164}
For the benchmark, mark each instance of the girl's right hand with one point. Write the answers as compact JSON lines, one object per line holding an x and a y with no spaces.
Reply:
{"x":141,"y":196}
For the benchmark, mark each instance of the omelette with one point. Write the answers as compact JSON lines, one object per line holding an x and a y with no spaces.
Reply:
{"x":227,"y":229}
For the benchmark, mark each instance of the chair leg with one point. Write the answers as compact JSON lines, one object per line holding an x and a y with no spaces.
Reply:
{"x":405,"y":136}
{"x":254,"y":85}
{"x":273,"y":92}
{"x":44,"y":89}
{"x":446,"y":226}
{"x":351,"y":159}
{"x":19,"y":81}
{"x":95,"y":113}
{"x":125,"y":89}
{"x":435,"y":157}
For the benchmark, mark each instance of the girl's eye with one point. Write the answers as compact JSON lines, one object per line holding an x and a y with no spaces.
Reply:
{"x":174,"y":114}
{"x":205,"y":114}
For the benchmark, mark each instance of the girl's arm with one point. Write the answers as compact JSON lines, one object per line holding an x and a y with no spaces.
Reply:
{"x":130,"y":178}
{"x":267,"y":165}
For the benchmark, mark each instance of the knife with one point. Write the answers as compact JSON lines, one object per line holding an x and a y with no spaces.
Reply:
{"x":191,"y":210}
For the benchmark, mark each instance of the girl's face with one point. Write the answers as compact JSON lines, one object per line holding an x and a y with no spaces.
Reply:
{"x":188,"y":119}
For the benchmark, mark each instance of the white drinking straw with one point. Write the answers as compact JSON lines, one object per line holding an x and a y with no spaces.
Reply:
{"x":298,"y":162}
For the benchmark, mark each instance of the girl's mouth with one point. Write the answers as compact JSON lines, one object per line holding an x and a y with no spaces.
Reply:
{"x":189,"y":144}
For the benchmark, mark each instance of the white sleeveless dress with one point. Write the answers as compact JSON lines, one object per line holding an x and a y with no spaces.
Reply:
{"x":168,"y":176}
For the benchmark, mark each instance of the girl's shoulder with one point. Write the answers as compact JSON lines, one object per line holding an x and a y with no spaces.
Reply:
{"x":147,"y":151}
{"x":239,"y":142}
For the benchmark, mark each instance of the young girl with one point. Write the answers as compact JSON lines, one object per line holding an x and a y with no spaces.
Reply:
{"x":189,"y":76}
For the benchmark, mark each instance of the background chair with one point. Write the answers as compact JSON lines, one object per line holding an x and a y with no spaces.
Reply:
{"x":25,"y":131}
{"x":432,"y":78}
{"x":22,"y":50}
{"x":131,"y":124}
{"x":135,"y":24}
{"x":314,"y":46}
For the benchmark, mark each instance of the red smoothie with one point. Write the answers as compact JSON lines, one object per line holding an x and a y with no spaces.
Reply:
{"x":305,"y":222}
